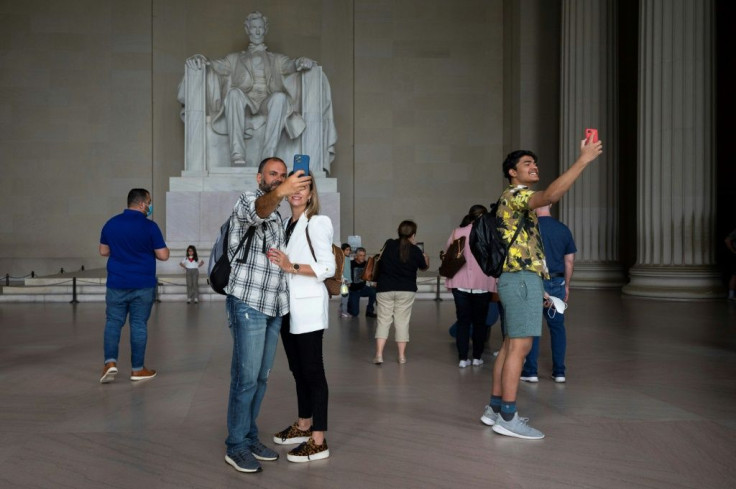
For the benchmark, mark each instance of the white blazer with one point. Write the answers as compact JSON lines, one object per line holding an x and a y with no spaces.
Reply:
{"x":308,"y":298}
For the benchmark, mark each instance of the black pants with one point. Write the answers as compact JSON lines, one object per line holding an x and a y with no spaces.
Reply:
{"x":304,"y":352}
{"x":471,"y":309}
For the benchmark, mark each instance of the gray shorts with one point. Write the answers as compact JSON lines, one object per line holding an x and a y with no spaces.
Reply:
{"x":522,"y":296}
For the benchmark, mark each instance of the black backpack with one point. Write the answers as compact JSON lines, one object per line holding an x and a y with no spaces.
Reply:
{"x":218,"y":268}
{"x":488,"y":246}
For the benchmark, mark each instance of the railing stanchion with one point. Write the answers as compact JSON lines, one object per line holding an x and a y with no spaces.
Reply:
{"x":74,"y":291}
{"x":437,"y":297}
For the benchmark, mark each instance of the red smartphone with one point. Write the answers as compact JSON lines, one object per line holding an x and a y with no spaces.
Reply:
{"x":591,"y":135}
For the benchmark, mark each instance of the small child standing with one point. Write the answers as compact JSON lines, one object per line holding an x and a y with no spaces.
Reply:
{"x":191,"y":264}
{"x":346,"y":279}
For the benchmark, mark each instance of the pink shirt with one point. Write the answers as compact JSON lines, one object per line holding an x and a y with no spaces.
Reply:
{"x":469,"y":276}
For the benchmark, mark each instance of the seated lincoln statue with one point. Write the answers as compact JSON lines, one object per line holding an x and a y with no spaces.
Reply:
{"x":254,"y":104}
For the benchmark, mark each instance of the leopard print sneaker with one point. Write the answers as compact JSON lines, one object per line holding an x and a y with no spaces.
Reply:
{"x":308,"y":452}
{"x":292,"y":435}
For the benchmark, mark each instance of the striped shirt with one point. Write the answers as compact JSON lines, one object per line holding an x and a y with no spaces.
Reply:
{"x":256,"y":281}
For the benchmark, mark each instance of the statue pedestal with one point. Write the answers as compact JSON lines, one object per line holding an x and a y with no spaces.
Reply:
{"x":199,"y":202}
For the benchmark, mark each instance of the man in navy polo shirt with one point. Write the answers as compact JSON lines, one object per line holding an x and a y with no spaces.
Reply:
{"x":132,"y":243}
{"x":559,"y":251}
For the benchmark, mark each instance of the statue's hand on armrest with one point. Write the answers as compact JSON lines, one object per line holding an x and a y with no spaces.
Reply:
{"x":304,"y":64}
{"x":197,"y":62}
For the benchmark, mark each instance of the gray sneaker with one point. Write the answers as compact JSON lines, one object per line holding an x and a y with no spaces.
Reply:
{"x":517,"y":427}
{"x":243,"y":461}
{"x":262,"y":452}
{"x":489,"y":417}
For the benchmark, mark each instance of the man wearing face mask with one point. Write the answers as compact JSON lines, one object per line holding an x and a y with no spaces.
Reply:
{"x":132,"y":244}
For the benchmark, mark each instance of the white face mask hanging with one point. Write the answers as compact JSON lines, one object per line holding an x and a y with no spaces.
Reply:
{"x":558,"y":306}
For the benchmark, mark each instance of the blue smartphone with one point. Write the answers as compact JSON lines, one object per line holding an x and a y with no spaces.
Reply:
{"x":301,"y":162}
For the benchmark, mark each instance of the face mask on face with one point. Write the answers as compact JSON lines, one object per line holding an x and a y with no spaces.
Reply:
{"x":149,"y":210}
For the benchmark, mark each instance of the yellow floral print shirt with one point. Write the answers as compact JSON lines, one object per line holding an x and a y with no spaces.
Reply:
{"x":527,"y":252}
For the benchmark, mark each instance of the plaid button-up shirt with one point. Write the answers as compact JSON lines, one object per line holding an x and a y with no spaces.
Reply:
{"x":255,"y":280}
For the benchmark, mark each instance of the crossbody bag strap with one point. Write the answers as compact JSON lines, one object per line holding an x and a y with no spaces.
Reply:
{"x":309,"y":241}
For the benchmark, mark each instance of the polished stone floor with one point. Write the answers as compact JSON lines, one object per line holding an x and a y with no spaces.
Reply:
{"x":650,"y":402}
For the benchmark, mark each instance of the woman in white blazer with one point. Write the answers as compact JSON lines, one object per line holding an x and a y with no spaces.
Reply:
{"x":308,"y":260}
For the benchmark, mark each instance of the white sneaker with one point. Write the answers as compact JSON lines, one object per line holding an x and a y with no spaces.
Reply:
{"x":477,"y":362}
{"x":560,"y":379}
{"x":464,"y":363}
{"x":532,"y":379}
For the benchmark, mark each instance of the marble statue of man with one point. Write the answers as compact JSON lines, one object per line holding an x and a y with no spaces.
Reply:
{"x":256,"y":95}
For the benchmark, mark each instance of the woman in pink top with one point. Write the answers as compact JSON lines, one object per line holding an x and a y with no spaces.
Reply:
{"x":471,"y":289}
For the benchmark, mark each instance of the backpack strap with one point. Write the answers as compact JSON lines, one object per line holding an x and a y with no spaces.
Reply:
{"x":248,"y":236}
{"x":519,"y":223}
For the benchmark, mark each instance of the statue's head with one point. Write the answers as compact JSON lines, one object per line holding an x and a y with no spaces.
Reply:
{"x":256,"y":26}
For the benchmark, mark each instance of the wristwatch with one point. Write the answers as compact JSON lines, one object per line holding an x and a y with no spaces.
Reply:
{"x":295,"y":267}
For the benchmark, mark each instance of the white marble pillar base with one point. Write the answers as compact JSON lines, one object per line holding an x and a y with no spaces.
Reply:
{"x":598,"y":275}
{"x":675,"y":282}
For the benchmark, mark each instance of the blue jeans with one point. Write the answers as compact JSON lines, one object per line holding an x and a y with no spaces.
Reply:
{"x":255,"y":337}
{"x":120,"y":303}
{"x":354,"y":300}
{"x":558,"y":338}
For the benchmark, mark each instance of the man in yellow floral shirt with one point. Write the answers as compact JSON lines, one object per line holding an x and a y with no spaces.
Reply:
{"x":520,"y":285}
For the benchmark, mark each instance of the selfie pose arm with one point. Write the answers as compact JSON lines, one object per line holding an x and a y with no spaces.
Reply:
{"x":589,"y":151}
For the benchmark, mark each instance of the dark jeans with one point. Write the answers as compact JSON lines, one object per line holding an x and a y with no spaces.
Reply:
{"x":354,"y":300}
{"x":471,"y":309}
{"x":304,"y":352}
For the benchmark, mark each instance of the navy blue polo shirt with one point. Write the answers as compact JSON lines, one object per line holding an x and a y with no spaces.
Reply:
{"x":558,"y":242}
{"x":131,"y":238}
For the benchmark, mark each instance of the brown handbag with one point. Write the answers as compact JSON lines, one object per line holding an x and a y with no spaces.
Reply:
{"x":453,"y":259}
{"x":370,"y":272}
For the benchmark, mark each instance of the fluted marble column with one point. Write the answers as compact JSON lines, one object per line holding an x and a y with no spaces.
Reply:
{"x":590,"y":100}
{"x":676,"y":168}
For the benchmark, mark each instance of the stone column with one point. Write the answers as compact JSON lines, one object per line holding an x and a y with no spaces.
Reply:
{"x":676,"y":168}
{"x":589,"y":99}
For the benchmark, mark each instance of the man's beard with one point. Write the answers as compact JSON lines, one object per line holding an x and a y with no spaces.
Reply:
{"x":267,"y":187}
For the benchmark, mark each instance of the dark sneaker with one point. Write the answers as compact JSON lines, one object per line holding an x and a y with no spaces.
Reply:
{"x":292,"y":435}
{"x":489,"y":417}
{"x":244,"y":461}
{"x":308,"y":452}
{"x":262,"y":452}
{"x":142,"y":374}
{"x":517,"y":428}
{"x":371,"y":315}
{"x":108,"y":372}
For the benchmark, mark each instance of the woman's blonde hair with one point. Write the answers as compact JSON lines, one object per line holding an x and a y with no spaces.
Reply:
{"x":312,"y":208}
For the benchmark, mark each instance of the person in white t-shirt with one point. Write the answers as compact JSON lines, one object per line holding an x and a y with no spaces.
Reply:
{"x":191,"y":264}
